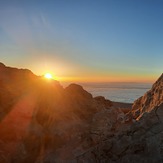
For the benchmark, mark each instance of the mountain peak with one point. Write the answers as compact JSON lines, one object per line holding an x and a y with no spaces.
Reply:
{"x":2,"y":65}
{"x":160,"y":79}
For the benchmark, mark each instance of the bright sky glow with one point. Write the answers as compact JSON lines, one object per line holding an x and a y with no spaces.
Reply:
{"x":84,"y":40}
{"x":48,"y":76}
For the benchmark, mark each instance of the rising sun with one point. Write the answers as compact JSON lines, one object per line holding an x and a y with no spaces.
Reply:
{"x":48,"y":76}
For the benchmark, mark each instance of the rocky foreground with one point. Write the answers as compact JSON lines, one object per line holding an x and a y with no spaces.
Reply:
{"x":42,"y":122}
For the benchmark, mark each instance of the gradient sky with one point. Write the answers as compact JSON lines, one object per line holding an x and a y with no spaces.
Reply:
{"x":84,"y":40}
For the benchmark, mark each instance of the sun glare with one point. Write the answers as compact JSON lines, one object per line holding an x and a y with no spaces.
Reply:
{"x":48,"y":76}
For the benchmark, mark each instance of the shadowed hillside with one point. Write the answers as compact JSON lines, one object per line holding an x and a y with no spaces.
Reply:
{"x":42,"y":122}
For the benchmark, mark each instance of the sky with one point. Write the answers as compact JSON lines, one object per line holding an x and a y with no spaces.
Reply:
{"x":84,"y":40}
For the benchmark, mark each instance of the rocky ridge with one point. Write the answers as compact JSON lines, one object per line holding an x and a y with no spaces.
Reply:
{"x":42,"y":122}
{"x":151,"y":99}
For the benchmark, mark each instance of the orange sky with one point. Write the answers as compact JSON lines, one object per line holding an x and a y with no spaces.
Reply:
{"x":74,"y":42}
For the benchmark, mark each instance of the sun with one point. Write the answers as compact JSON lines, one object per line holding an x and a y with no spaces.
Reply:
{"x":48,"y":76}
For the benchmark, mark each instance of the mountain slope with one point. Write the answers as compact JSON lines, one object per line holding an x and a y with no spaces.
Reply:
{"x":42,"y":122}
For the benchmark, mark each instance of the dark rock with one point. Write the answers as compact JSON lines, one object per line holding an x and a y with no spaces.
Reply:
{"x":102,"y":100}
{"x":43,"y":122}
{"x":78,"y":91}
{"x":2,"y":65}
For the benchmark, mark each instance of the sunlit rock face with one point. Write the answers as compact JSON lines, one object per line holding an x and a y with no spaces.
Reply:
{"x":15,"y":108}
{"x":20,"y":91}
{"x":151,"y":99}
{"x":13,"y":84}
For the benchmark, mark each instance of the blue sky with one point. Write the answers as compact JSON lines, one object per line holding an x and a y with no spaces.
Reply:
{"x":94,"y":40}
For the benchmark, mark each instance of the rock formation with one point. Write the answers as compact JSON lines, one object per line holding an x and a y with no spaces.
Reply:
{"x":151,"y":99}
{"x":139,"y":138}
{"x":42,"y":122}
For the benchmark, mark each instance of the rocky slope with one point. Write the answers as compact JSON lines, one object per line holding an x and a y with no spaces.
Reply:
{"x":139,"y":138}
{"x":151,"y":99}
{"x":42,"y":122}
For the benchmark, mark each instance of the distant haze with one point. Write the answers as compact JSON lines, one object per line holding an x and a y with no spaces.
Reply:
{"x":84,"y":40}
{"x":120,"y":92}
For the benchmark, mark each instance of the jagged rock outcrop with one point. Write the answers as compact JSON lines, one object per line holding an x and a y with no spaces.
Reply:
{"x":151,"y":99}
{"x":105,"y":102}
{"x":134,"y":141}
{"x":42,"y":122}
{"x":141,"y":142}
